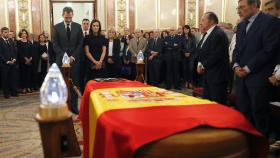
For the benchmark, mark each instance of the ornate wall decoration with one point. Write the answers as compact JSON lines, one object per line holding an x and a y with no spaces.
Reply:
{"x":191,"y":12}
{"x":23,"y":15}
{"x":121,"y":15}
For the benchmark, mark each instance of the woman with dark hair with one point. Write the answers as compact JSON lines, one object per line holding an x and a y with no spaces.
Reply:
{"x":187,"y":51}
{"x":43,"y":58}
{"x":113,"y":60}
{"x":164,"y":34}
{"x":146,"y":35}
{"x":25,"y":61}
{"x":95,"y":49}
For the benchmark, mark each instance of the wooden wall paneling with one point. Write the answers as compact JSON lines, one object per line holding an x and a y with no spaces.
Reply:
{"x":110,"y":14}
{"x":36,"y":18}
{"x":12,"y":14}
{"x":132,"y":15}
{"x":200,"y":9}
{"x":181,"y":13}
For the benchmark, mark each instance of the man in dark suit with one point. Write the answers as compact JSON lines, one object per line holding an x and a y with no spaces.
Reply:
{"x":254,"y":60}
{"x":154,"y":52}
{"x":82,"y":80}
{"x":68,"y":37}
{"x":35,"y":62}
{"x":172,"y":56}
{"x":125,"y":39}
{"x":8,"y":59}
{"x":213,"y":60}
{"x":51,"y":52}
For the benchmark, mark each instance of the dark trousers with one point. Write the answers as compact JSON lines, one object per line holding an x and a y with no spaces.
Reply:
{"x":128,"y":71}
{"x":252,"y":101}
{"x":113,"y":70}
{"x":154,"y":71}
{"x":26,"y":76}
{"x":215,"y":91}
{"x":8,"y":78}
{"x":82,"y":80}
{"x":186,"y":70}
{"x":93,"y":74}
{"x":172,"y":70}
{"x":74,"y":74}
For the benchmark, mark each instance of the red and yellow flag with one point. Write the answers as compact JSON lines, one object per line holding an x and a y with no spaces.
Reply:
{"x":119,"y":117}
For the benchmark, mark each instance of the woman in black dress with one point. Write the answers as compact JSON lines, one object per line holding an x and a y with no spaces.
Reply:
{"x":43,"y":58}
{"x":113,"y":60}
{"x":95,"y":49}
{"x":188,"y":49}
{"x":25,"y":61}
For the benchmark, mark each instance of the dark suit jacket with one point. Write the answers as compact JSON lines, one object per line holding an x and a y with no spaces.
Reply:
{"x":126,"y":54}
{"x":257,"y":48}
{"x":214,"y":57}
{"x":157,"y":47}
{"x":7,"y":52}
{"x":73,"y":47}
{"x":51,"y":52}
{"x":124,"y":39}
{"x":115,"y":51}
{"x":188,"y":45}
{"x":173,"y":46}
{"x":35,"y":54}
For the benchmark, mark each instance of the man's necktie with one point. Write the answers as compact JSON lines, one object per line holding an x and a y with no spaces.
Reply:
{"x":201,"y":41}
{"x":68,"y":31}
{"x":246,"y":26}
{"x":137,"y":41}
{"x":7,"y":42}
{"x":154,"y":44}
{"x":85,"y":33}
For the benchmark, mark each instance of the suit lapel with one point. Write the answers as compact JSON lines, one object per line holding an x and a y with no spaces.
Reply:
{"x":63,"y":30}
{"x":209,"y":37}
{"x":254,"y":27}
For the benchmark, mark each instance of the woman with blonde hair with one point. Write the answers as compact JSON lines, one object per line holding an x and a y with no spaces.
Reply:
{"x":113,"y":60}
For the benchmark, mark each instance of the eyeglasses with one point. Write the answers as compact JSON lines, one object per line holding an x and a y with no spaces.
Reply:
{"x":240,"y":7}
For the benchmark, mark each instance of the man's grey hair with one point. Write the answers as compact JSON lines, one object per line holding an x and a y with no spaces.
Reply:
{"x":257,"y":2}
{"x":67,"y":10}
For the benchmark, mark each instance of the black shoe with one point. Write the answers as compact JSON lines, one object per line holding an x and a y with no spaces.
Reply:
{"x":178,"y":88}
{"x":15,"y":95}
{"x":29,"y":90}
{"x":6,"y":96}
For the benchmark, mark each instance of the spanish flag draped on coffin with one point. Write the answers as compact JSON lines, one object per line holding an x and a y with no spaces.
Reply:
{"x":121,"y":116}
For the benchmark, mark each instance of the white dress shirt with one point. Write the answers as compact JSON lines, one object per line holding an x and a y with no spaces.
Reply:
{"x":206,"y":36}
{"x":86,"y":32}
{"x":110,"y":51}
{"x":65,"y":25}
{"x":232,"y":46}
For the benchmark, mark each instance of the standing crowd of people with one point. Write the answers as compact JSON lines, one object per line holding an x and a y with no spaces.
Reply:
{"x":216,"y":56}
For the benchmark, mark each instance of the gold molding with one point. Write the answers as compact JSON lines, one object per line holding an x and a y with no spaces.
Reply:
{"x":23,"y":15}
{"x":121,"y":17}
{"x":191,"y":12}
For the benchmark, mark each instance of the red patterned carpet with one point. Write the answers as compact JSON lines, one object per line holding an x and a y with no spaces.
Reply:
{"x":19,"y":132}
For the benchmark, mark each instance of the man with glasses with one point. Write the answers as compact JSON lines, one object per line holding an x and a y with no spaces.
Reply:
{"x":254,"y":61}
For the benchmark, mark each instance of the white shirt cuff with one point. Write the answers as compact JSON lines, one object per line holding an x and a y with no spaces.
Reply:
{"x":277,"y":74}
{"x":277,"y":67}
{"x":72,"y":58}
{"x":246,"y":68}
{"x":200,"y":65}
{"x":235,"y":65}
